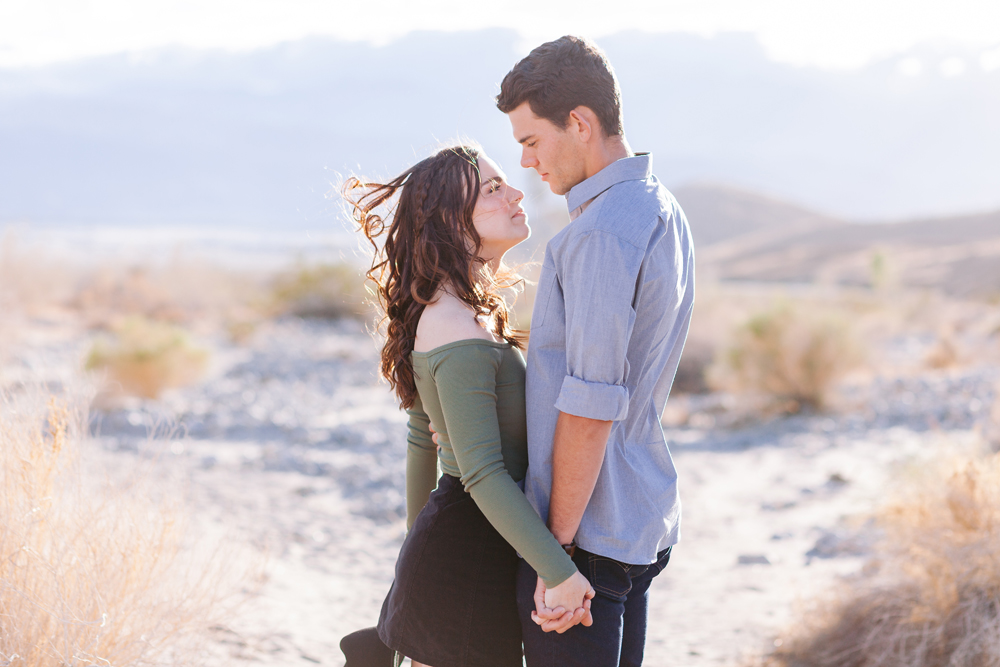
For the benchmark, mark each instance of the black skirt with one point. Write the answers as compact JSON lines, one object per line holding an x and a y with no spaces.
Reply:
{"x":453,"y":601}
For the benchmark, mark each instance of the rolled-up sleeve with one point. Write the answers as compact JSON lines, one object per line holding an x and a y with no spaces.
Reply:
{"x":596,"y":400}
{"x":598,"y":274}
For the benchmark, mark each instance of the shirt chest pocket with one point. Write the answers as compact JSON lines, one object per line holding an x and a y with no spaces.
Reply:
{"x":547,"y":299}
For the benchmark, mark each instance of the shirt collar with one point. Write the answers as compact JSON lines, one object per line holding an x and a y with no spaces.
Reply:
{"x":636,"y":168}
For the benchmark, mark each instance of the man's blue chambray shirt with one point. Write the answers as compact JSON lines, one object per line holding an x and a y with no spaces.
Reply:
{"x":610,"y":319}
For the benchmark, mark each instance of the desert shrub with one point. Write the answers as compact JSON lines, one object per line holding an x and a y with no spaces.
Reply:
{"x":882,"y":272}
{"x":30,"y":281}
{"x":943,"y":354}
{"x":931,"y":596}
{"x":325,"y":290}
{"x":145,"y":357}
{"x":90,"y":572}
{"x":180,"y":290}
{"x":36,"y":282}
{"x":108,"y":292}
{"x":990,"y":426}
{"x":692,"y":371}
{"x":719,"y":309}
{"x":791,"y":354}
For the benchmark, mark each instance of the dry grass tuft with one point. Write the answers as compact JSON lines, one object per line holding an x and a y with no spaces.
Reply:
{"x":325,"y":290}
{"x":29,"y":282}
{"x":943,"y":354}
{"x":990,"y":428}
{"x":717,"y":312}
{"x":90,"y":573}
{"x":179,"y":291}
{"x":932,"y":596}
{"x":106,"y":293}
{"x":146,"y":357}
{"x":36,"y":283}
{"x":793,"y":355}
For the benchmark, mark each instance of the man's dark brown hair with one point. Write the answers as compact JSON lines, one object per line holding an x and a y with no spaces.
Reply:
{"x":559,"y":76}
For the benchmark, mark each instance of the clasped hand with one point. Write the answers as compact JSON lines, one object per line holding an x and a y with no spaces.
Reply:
{"x":551,"y":604}
{"x":561,"y":607}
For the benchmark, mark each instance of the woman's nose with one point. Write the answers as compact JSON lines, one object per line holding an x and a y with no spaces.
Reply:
{"x":514,"y":194}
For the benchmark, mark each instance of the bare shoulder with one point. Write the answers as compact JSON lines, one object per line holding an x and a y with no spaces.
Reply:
{"x":447,"y":320}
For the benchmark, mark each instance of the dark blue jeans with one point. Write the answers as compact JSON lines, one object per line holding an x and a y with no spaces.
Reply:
{"x":618,"y":636}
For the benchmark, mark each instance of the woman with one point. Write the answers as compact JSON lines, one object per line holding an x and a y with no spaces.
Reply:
{"x":453,"y":360}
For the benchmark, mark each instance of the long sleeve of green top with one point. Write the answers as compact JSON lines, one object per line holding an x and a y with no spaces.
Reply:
{"x":421,"y":462}
{"x":467,"y":389}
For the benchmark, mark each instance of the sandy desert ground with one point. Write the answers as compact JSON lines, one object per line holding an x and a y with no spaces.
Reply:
{"x":293,"y":450}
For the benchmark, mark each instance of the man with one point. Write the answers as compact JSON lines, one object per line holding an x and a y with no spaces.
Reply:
{"x":610,"y":319}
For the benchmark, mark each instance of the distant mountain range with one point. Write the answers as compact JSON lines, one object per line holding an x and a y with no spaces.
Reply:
{"x":741,"y":236}
{"x":719,"y":213}
{"x":260,"y":139}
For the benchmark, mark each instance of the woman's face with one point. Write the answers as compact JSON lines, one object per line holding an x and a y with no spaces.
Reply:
{"x":498,"y":217}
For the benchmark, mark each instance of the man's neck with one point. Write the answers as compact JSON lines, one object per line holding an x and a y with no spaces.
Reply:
{"x":607,"y":152}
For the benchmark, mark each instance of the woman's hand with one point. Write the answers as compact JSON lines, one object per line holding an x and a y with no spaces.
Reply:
{"x":561,"y":607}
{"x":434,"y":436}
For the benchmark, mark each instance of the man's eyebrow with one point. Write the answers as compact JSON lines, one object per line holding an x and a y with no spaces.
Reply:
{"x":523,"y":139}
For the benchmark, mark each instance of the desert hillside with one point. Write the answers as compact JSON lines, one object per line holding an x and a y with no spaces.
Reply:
{"x":719,"y":213}
{"x":749,"y":237}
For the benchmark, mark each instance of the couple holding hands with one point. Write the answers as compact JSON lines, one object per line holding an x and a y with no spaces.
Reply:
{"x":558,"y":501}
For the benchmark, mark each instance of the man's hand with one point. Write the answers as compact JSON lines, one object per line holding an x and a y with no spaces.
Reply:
{"x":563,"y":606}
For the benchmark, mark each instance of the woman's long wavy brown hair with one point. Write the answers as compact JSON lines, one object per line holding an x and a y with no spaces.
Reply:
{"x":430,"y":242}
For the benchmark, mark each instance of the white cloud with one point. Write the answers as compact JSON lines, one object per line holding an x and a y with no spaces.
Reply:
{"x":910,"y":66}
{"x":953,"y":66}
{"x":990,"y":60}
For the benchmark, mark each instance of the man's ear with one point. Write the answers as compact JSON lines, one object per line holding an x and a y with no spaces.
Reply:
{"x":581,"y":122}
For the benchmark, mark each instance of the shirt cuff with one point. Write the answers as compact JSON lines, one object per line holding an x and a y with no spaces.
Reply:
{"x":594,"y":400}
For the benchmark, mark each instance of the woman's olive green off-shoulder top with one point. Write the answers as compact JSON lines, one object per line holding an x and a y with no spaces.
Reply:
{"x":473,"y":392}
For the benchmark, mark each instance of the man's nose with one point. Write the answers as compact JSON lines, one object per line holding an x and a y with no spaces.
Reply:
{"x":528,"y":160}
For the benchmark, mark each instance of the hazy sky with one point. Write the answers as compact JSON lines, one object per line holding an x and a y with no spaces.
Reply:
{"x":827,"y":33}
